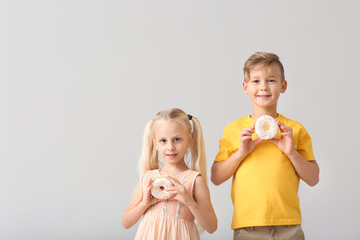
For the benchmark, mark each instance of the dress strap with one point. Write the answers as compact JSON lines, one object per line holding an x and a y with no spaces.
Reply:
{"x":188,"y":177}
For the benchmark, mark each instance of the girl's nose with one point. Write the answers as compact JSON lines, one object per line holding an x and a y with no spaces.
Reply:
{"x":170,"y":146}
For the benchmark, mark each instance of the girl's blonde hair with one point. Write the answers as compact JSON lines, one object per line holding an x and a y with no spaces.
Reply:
{"x":149,"y":158}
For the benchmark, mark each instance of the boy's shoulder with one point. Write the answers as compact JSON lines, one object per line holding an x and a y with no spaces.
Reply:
{"x":297,"y":127}
{"x":235,"y":127}
{"x":289,"y":122}
{"x":245,"y":120}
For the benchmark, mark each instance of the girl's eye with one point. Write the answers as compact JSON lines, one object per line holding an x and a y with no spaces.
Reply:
{"x":177,"y":139}
{"x":163,"y":141}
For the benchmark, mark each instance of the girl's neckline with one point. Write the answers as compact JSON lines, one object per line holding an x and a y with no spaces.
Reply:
{"x":158,"y":170}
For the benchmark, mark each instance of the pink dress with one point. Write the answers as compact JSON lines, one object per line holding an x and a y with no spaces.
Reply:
{"x":169,"y":220}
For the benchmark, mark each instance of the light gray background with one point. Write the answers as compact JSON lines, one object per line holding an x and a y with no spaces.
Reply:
{"x":79,"y":80}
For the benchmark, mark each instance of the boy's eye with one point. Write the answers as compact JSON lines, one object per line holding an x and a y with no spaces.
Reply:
{"x":177,"y":139}
{"x":163,"y":141}
{"x":255,"y":81}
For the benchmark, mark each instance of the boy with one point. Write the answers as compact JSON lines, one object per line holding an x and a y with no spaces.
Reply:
{"x":266,"y":173}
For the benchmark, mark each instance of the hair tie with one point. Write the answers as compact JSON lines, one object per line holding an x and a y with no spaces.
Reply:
{"x":190,"y":117}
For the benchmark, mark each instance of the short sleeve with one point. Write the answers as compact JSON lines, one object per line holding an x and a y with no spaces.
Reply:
{"x":226,"y":149}
{"x":304,"y":146}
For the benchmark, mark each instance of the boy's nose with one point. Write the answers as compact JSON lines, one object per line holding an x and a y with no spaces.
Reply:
{"x":263,"y":86}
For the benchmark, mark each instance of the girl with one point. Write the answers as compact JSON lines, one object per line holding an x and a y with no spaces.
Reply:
{"x":170,"y":134}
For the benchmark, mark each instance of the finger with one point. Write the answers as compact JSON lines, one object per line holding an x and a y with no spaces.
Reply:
{"x":174,"y":181}
{"x":155,"y":200}
{"x":174,"y":197}
{"x":245,"y":135}
{"x":274,"y":140}
{"x":248,"y":129}
{"x":148,"y":191}
{"x":172,"y":190}
{"x":257,"y":141}
{"x":245,"y":138}
{"x":252,"y":130}
{"x":285,"y":131}
{"x":247,"y":132}
{"x":151,"y":181}
{"x":280,"y":123}
{"x":282,"y":126}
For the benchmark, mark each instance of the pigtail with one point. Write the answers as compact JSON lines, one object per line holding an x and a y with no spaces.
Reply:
{"x":198,"y":149}
{"x":149,"y":155}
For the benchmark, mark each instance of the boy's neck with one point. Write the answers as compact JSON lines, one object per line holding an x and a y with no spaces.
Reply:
{"x":258,"y":112}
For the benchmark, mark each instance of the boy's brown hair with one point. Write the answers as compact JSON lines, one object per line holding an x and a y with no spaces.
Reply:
{"x":264,"y":59}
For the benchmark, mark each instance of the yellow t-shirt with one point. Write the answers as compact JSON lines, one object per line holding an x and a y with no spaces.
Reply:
{"x":265,"y":186}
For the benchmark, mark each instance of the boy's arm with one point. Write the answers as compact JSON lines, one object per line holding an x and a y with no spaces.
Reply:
{"x":223,"y":170}
{"x":308,"y":171}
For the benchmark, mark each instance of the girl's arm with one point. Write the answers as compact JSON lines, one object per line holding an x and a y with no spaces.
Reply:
{"x":140,"y":202}
{"x":202,"y":207}
{"x":200,"y":204}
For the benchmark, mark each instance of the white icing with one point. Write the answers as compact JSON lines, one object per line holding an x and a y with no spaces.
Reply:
{"x":260,"y":130}
{"x":159,"y":187}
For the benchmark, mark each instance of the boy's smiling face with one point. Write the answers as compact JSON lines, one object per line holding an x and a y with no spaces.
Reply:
{"x":264,"y":86}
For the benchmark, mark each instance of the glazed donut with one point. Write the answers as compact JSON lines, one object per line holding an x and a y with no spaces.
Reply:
{"x":260,"y":130}
{"x":159,"y":187}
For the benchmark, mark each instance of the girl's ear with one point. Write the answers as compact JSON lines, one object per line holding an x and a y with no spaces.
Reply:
{"x":191,"y":139}
{"x":154,"y":142}
{"x":283,"y":86}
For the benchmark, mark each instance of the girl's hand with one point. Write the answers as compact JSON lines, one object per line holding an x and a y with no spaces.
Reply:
{"x":140,"y":202}
{"x":147,"y":198}
{"x":286,"y":142}
{"x":247,"y":145}
{"x":180,"y":192}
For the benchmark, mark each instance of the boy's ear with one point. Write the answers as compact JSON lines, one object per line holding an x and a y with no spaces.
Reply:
{"x":245,"y":87}
{"x":283,"y":86}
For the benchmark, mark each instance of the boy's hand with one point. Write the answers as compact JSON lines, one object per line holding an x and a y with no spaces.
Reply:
{"x":286,"y":142}
{"x":247,"y":145}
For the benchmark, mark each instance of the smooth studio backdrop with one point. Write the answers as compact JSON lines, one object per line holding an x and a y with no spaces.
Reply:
{"x":80,"y":79}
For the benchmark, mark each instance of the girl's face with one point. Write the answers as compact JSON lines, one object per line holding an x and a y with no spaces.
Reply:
{"x":171,"y":141}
